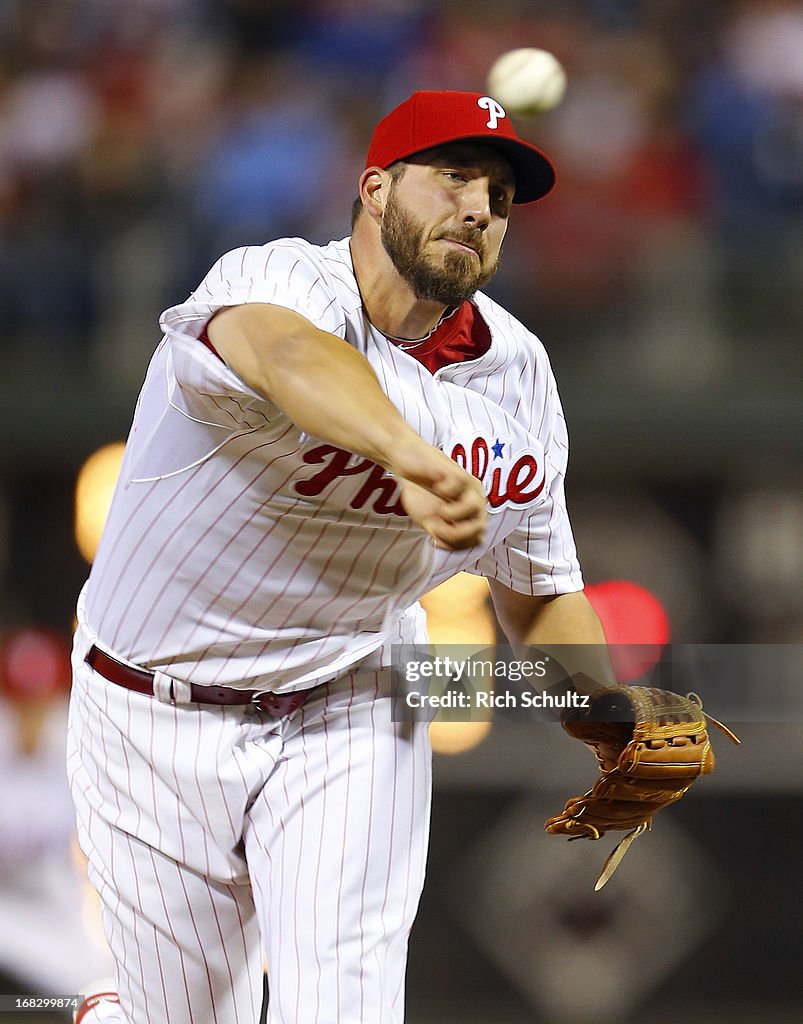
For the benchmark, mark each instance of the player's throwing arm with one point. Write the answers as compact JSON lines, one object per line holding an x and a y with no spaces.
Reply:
{"x":330,"y":391}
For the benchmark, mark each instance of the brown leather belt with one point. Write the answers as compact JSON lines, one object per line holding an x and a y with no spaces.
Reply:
{"x":277,"y":705}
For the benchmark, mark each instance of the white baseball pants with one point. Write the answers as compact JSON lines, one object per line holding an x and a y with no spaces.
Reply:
{"x":217,"y":837}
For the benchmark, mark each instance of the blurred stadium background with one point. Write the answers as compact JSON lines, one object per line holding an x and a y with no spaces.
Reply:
{"x":139,"y":139}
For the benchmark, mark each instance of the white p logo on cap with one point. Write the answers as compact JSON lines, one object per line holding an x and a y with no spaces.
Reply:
{"x":495,"y":110}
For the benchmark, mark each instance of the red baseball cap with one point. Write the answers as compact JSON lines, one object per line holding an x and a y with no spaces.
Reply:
{"x":430,"y":119}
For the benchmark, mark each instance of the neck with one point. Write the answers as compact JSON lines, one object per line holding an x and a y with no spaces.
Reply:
{"x":387,"y":299}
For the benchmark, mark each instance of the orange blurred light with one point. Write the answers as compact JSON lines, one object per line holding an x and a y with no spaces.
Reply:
{"x":457,"y":737}
{"x":93,"y":496}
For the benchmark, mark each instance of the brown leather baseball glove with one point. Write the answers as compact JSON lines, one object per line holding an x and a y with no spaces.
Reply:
{"x":650,"y":745}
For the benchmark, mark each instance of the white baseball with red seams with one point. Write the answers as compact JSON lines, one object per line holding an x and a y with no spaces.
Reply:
{"x":527,"y":81}
{"x":240,"y":553}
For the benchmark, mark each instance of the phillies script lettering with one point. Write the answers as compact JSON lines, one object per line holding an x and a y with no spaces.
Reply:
{"x":515,"y":482}
{"x":338,"y":463}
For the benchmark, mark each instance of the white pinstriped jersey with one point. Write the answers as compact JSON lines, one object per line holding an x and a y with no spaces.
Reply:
{"x":240,"y":552}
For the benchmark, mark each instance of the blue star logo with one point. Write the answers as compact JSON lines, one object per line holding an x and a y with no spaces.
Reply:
{"x":497,"y":448}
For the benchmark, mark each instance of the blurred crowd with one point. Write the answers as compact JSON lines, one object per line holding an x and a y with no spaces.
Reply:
{"x":141,"y":138}
{"x":49,"y":927}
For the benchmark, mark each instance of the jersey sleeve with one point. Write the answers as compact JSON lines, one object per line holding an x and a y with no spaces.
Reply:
{"x":283,"y":273}
{"x":540,"y":557}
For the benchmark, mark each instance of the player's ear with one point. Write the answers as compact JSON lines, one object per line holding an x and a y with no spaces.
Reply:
{"x":374,"y":187}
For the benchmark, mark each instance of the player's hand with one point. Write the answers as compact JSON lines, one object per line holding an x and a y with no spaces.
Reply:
{"x":441,"y":496}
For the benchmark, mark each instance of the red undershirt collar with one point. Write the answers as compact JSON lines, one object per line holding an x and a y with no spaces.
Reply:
{"x":460,"y":337}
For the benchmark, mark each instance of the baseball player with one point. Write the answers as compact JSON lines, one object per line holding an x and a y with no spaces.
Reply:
{"x":323,"y":435}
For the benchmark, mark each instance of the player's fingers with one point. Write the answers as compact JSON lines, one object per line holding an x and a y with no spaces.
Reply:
{"x":430,"y":468}
{"x":450,"y":486}
{"x":456,"y":484}
{"x":451,"y":525}
{"x":471,"y":505}
{"x":455,"y":536}
{"x":460,"y":544}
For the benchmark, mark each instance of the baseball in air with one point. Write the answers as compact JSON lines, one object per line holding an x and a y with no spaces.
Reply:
{"x":527,"y":81}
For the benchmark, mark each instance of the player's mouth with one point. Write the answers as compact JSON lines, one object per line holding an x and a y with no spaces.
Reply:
{"x":465,"y":246}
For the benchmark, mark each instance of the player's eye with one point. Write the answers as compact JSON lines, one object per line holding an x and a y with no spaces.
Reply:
{"x":502,"y":199}
{"x":455,"y":175}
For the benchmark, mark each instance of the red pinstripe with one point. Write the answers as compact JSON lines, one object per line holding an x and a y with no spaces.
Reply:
{"x":319,"y":858}
{"x":339,"y":911}
{"x":301,"y":802}
{"x":143,"y":983}
{"x":193,"y":513}
{"x":177,"y":945}
{"x":367,"y":858}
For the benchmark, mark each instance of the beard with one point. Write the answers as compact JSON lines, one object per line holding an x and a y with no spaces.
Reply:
{"x":403,"y":237}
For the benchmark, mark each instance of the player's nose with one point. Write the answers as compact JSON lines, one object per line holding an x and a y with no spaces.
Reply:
{"x":476,"y":203}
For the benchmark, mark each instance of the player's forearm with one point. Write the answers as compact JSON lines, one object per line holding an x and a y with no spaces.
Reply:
{"x":558,"y":619}
{"x":565,"y":619}
{"x":566,"y":625}
{"x":323,"y":384}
